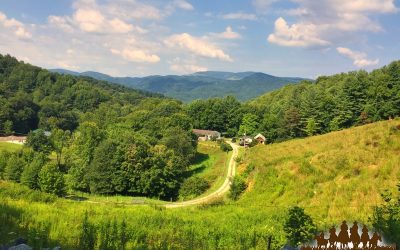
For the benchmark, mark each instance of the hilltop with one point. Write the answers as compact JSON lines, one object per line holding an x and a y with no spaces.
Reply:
{"x":201,"y":85}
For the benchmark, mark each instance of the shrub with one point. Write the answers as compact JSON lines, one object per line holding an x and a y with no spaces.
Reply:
{"x":193,"y":186}
{"x":225,"y":147}
{"x":249,"y":168}
{"x":51,"y":180}
{"x":16,"y":191}
{"x":238,"y":185}
{"x":14,"y":168}
{"x":386,"y":217}
{"x":299,"y":227}
{"x":4,"y":155}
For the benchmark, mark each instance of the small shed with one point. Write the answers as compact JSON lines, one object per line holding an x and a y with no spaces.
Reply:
{"x":245,"y":140}
{"x":207,"y":135}
{"x":260,"y":138}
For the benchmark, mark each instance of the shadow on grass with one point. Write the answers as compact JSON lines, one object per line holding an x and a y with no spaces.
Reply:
{"x":75,"y":198}
{"x":12,"y":231}
{"x":199,"y":160}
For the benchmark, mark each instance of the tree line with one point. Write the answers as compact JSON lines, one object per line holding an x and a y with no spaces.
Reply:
{"x":329,"y":103}
{"x":91,"y":136}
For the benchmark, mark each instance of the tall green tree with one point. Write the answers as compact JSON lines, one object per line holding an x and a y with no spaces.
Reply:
{"x":59,"y":140}
{"x":39,"y":141}
{"x":249,"y":124}
{"x":30,"y":175}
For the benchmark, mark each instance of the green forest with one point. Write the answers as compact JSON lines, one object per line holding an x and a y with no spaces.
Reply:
{"x":92,"y":137}
{"x":107,"y":139}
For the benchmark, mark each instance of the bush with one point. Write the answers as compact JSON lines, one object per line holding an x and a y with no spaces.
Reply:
{"x":299,"y":227}
{"x":51,"y":180}
{"x":225,"y":147}
{"x":14,"y":168}
{"x":4,"y":155}
{"x":386,"y":217}
{"x":193,"y":186}
{"x":238,"y":185}
{"x":19,"y":192}
{"x":249,"y":168}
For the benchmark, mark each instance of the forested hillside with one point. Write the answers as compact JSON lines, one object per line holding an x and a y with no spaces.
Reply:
{"x":91,"y":136}
{"x":202,"y":85}
{"x":330,"y":103}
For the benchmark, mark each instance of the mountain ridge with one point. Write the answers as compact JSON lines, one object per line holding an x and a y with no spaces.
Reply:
{"x":200,"y":85}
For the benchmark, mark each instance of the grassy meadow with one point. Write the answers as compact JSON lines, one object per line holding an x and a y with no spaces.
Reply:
{"x":334,"y":177}
{"x":10,"y":147}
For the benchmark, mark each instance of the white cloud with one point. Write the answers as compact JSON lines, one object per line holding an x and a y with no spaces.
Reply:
{"x":64,"y":23}
{"x":136,"y":55}
{"x":16,"y":26}
{"x":187,"y":68}
{"x":360,"y":59}
{"x":297,"y":12}
{"x":182,"y":4}
{"x":376,"y":6}
{"x":228,"y":34}
{"x":134,"y":10}
{"x":120,"y":26}
{"x":240,"y":16}
{"x":89,"y":20}
{"x":296,"y":35}
{"x":328,"y":22}
{"x":197,"y":46}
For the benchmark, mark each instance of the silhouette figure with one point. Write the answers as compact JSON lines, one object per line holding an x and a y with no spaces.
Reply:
{"x":364,"y":236}
{"x":373,"y":242}
{"x":321,"y":241}
{"x":332,"y":237}
{"x":343,"y":237}
{"x":354,"y":236}
{"x":341,"y":241}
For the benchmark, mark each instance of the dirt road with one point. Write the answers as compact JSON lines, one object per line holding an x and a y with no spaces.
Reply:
{"x":219,"y":192}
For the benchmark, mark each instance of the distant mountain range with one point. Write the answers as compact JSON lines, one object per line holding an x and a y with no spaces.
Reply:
{"x":200,"y":85}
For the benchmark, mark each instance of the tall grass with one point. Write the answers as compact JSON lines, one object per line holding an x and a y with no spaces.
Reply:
{"x":334,"y":176}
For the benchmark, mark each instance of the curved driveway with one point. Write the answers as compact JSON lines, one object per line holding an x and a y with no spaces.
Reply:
{"x":219,"y":192}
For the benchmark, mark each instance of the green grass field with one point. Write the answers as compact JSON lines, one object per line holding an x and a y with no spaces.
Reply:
{"x":11,"y":147}
{"x":335,"y":176}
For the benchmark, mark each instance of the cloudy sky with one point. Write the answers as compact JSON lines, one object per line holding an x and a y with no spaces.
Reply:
{"x":136,"y":37}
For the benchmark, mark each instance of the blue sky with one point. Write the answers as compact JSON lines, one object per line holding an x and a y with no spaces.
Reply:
{"x":304,"y":38}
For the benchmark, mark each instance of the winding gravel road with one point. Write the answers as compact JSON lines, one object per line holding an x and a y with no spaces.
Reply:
{"x":219,"y":192}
